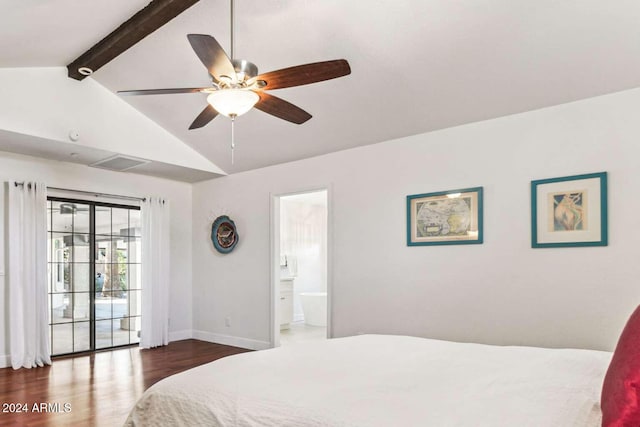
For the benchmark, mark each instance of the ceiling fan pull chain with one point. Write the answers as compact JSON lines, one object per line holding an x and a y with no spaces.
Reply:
{"x":233,"y":141}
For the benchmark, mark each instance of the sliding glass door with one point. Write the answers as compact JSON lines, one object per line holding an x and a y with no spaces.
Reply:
{"x":94,"y":275}
{"x":69,"y":277}
{"x":117,"y":272}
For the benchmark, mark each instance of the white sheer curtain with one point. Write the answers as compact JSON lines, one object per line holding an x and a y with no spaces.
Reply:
{"x":27,"y":274}
{"x":155,"y":272}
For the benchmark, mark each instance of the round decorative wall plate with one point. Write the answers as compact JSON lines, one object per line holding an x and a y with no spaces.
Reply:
{"x":224,"y":234}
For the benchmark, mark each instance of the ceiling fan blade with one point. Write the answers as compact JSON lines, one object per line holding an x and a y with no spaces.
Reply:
{"x":162,"y":91}
{"x":305,"y":74}
{"x":281,"y":109}
{"x":212,"y":56}
{"x":204,"y":117}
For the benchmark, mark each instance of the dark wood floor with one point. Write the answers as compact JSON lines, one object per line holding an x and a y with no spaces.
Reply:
{"x":101,"y":387}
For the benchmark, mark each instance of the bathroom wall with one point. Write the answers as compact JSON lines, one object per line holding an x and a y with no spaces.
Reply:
{"x":303,"y":239}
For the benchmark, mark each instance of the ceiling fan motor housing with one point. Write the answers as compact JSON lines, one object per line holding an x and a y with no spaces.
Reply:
{"x":245,"y":70}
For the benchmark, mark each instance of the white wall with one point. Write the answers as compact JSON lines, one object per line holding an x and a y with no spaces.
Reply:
{"x":500,"y":292}
{"x":66,"y":175}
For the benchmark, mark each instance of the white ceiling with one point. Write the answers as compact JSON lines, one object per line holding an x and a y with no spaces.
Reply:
{"x":417,"y":65}
{"x":45,"y":33}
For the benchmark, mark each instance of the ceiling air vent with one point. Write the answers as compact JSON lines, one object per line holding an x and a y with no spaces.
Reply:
{"x":119,"y":163}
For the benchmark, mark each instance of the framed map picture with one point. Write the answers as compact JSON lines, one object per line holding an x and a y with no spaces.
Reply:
{"x":569,"y":211}
{"x":445,"y":218}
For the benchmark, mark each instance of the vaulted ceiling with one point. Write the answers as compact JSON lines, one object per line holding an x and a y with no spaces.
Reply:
{"x":417,"y":65}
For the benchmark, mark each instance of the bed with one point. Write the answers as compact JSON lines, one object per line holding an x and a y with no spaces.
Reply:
{"x":382,"y":380}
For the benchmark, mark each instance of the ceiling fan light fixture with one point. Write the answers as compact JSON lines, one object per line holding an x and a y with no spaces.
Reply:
{"x":233,"y":102}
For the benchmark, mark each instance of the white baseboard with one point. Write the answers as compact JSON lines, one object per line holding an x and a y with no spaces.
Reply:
{"x":180,"y":335}
{"x":230,"y":340}
{"x":5,"y":361}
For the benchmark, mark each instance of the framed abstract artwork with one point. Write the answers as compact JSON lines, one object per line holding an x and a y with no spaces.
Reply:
{"x":445,"y":218}
{"x":569,"y":211}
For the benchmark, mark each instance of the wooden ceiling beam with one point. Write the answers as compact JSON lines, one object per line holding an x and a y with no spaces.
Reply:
{"x":144,"y":22}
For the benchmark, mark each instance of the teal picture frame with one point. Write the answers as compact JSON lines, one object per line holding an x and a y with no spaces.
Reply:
{"x":453,"y":217}
{"x":569,"y":211}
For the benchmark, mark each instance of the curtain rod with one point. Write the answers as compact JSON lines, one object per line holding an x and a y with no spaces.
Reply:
{"x":91,"y":193}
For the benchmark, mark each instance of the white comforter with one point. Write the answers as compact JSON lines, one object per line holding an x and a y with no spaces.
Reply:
{"x":378,"y":380}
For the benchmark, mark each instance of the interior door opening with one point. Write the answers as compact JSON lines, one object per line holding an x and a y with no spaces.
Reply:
{"x":301,"y":279}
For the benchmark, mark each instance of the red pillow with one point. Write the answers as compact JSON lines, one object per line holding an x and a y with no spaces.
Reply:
{"x":620,"y":401}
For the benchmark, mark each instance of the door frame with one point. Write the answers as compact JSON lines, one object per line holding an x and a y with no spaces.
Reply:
{"x":274,"y":257}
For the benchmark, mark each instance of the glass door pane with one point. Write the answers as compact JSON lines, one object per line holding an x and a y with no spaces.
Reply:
{"x":69,"y":277}
{"x":117,"y":251}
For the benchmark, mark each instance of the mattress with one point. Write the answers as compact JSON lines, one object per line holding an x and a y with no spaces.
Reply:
{"x":382,"y":380}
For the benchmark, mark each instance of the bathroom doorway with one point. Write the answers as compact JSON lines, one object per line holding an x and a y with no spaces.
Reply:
{"x":300,"y":266}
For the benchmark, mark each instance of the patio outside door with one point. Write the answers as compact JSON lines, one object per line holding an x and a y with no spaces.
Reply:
{"x":94,"y":275}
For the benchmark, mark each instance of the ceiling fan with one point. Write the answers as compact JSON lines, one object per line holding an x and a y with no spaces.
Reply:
{"x":236,"y":87}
